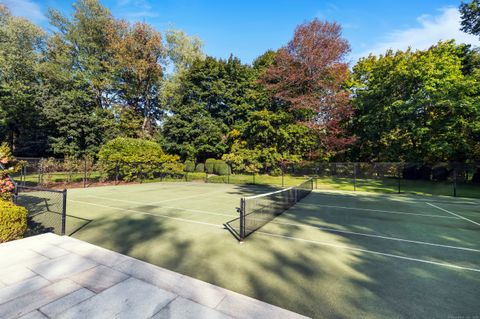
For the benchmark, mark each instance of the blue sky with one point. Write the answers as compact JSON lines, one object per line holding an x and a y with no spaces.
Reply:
{"x":249,"y":28}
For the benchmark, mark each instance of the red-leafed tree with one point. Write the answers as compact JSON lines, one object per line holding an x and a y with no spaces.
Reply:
{"x":308,"y":74}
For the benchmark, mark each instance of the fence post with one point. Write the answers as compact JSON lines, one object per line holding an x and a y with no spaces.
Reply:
{"x":399,"y":177}
{"x":117,"y":169}
{"x":454,"y":181}
{"x":64,"y":212}
{"x":84,"y":172}
{"x":206,"y":177}
{"x":354,"y":177}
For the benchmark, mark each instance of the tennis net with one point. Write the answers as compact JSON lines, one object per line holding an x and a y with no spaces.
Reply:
{"x":258,"y":210}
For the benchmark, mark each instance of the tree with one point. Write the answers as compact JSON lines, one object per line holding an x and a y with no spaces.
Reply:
{"x":213,"y":97}
{"x":417,"y":106}
{"x":308,"y":74}
{"x":21,"y":121}
{"x":138,"y":51}
{"x":470,"y":15}
{"x":77,"y":72}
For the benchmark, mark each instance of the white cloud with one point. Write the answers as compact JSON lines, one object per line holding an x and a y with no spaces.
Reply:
{"x":25,"y":8}
{"x":431,"y":29}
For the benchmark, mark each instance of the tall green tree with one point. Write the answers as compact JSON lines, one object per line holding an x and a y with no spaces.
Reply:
{"x":78,"y":75}
{"x":417,"y":105}
{"x":21,"y":121}
{"x":214,"y":96}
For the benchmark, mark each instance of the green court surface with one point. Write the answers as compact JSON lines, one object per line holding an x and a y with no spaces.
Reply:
{"x":333,"y":255}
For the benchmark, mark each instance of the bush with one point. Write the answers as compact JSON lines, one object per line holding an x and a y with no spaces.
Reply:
{"x":221,"y":168}
{"x":189,"y":166}
{"x":136,"y":159}
{"x":210,"y":165}
{"x":8,"y":165}
{"x":200,"y":168}
{"x":13,"y":221}
{"x":131,"y":150}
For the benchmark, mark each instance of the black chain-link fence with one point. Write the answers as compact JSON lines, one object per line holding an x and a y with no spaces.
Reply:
{"x":450,"y":179}
{"x":46,"y":208}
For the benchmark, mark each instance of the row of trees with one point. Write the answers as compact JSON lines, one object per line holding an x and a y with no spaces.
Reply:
{"x":94,"y":78}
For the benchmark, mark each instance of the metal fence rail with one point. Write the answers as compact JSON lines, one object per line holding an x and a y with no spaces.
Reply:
{"x":47,"y":208}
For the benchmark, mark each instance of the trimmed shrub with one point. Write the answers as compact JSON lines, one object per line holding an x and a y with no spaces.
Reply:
{"x":210,"y":165}
{"x":13,"y":221}
{"x":136,"y":159}
{"x":189,"y":166}
{"x":200,"y":168}
{"x":221,"y":168}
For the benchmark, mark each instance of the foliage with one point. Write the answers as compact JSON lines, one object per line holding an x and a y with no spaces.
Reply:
{"x":308,"y":74}
{"x":21,"y":121}
{"x":200,"y":168}
{"x":13,"y":221}
{"x":213,"y":97}
{"x":136,"y":159}
{"x":137,"y":50}
{"x":189,"y":166}
{"x":416,"y":106}
{"x":132,"y":150}
{"x":8,"y":165}
{"x":470,"y":17}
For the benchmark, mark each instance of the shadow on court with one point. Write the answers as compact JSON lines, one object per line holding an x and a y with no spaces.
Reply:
{"x":301,"y":261}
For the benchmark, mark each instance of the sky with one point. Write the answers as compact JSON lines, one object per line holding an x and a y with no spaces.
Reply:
{"x":248,"y":28}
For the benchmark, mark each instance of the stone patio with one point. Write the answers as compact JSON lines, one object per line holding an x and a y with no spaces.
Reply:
{"x":50,"y":276}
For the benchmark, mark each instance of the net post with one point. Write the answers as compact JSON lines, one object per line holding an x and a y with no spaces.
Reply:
{"x":64,"y":211}
{"x":242,"y":219}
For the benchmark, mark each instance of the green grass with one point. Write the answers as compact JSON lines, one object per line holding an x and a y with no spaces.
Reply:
{"x":295,"y":262}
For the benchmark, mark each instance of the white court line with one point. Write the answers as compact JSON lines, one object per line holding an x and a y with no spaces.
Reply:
{"x":387,"y":211}
{"x":447,"y":211}
{"x":377,"y":236}
{"x":318,"y":227}
{"x":171,"y":207}
{"x":370,"y":251}
{"x":151,"y":214}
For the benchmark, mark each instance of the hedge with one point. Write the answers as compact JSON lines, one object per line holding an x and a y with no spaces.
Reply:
{"x":189,"y":166}
{"x":13,"y":221}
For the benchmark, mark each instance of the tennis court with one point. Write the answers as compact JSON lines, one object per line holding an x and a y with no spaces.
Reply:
{"x":333,"y":254}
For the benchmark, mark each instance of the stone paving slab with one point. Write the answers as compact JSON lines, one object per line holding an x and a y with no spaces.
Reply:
{"x":21,"y":288}
{"x":187,"y":309}
{"x":50,"y":276}
{"x":35,"y":299}
{"x":99,"y":278}
{"x":131,"y":298}
{"x":62,"y":267}
{"x":14,"y":274}
{"x":54,"y":309}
